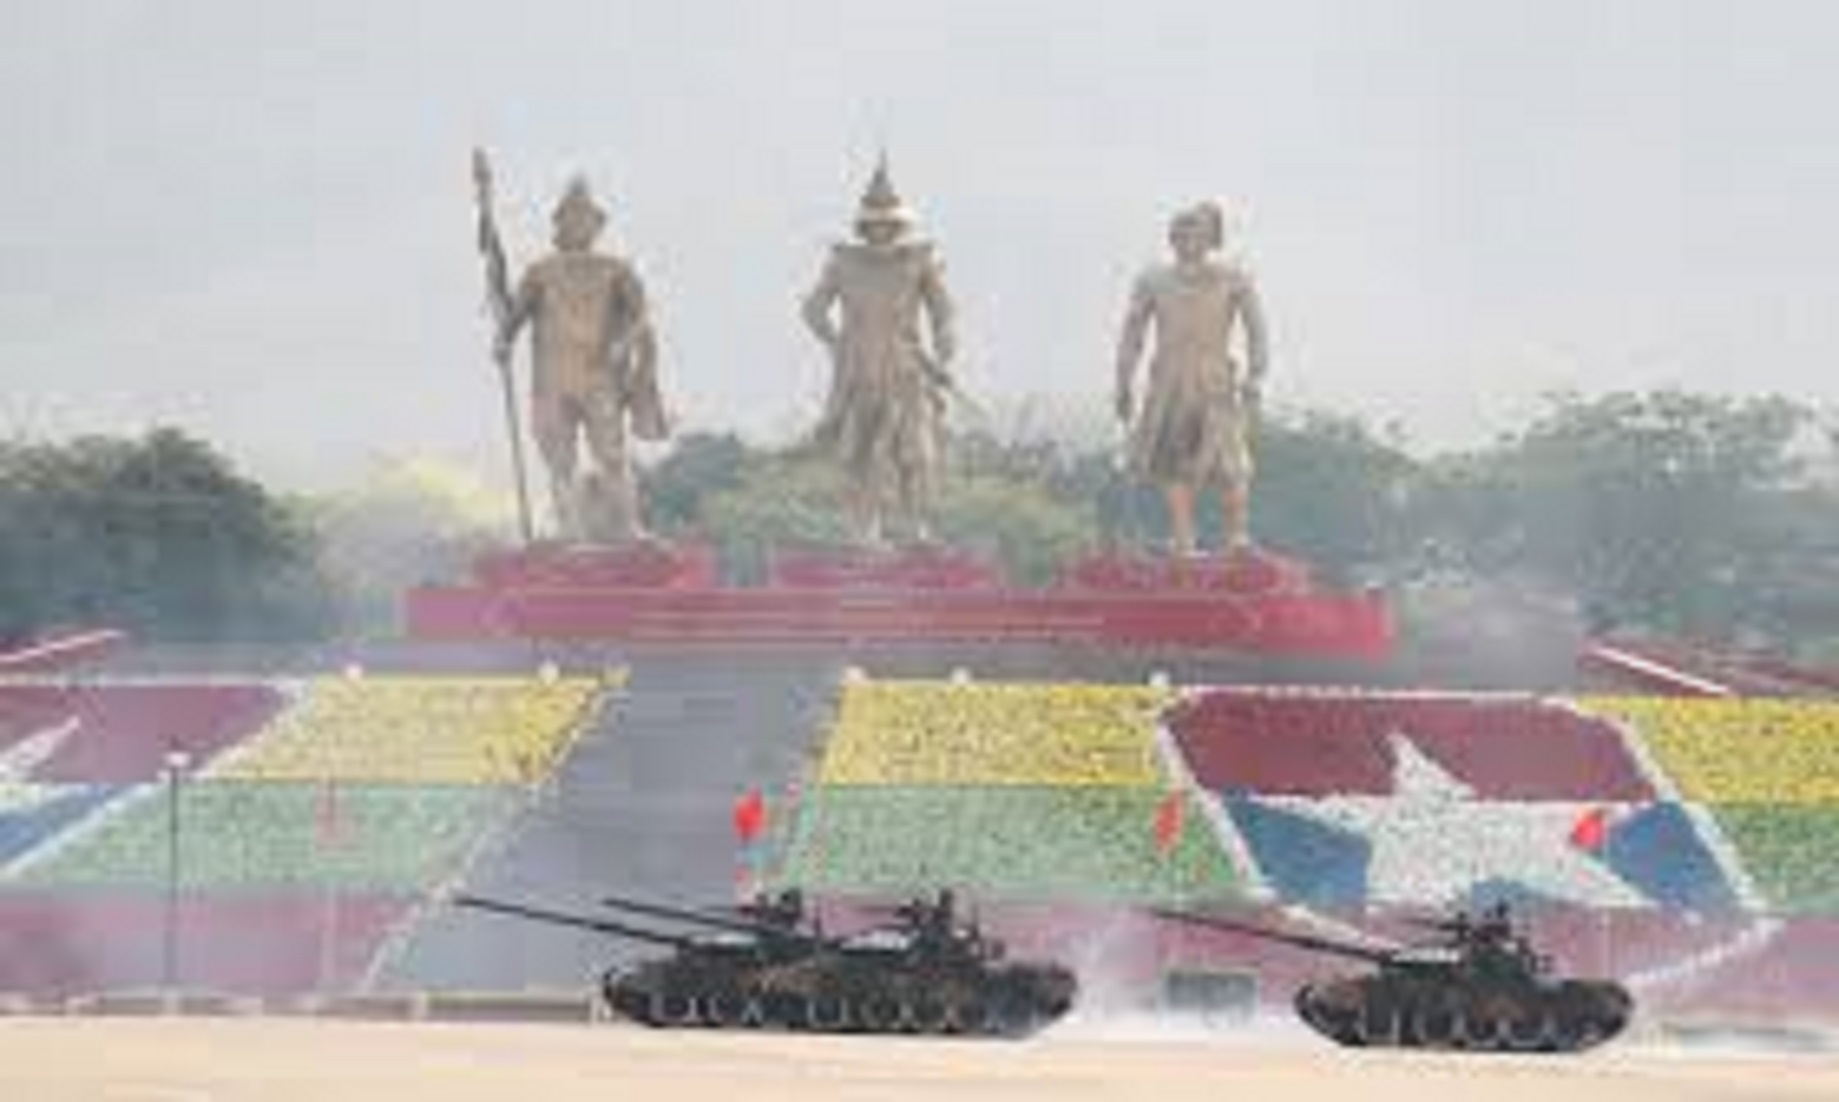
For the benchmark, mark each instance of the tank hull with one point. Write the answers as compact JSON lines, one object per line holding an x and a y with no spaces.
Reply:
{"x":840,"y":999}
{"x":1394,"y":1012}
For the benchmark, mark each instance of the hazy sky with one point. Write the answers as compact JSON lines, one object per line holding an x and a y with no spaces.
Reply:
{"x":254,"y":219}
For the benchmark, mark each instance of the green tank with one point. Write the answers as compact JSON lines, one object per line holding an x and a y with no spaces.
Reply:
{"x":770,"y":965}
{"x":1479,"y":987}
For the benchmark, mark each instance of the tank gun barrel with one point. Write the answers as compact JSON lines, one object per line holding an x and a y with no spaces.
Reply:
{"x":564,"y":918}
{"x":733,"y":924}
{"x":1300,"y":941}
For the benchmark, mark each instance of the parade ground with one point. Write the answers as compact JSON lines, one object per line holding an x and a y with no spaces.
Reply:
{"x":273,"y":1060}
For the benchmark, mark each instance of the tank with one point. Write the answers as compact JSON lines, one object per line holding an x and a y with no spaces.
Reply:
{"x":1479,"y":987}
{"x":770,"y":965}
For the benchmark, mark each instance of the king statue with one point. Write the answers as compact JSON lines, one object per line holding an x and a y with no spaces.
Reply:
{"x":883,"y":421}
{"x":593,"y":366}
{"x":1194,"y":427}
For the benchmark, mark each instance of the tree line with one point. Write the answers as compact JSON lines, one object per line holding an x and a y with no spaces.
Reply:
{"x":1690,"y":514}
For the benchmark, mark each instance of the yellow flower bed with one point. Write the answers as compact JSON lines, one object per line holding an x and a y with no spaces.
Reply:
{"x":1752,"y":751}
{"x":923,"y":732}
{"x":422,"y":730}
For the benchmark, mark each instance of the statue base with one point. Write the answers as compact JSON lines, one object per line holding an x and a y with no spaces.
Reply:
{"x":1249,"y":602}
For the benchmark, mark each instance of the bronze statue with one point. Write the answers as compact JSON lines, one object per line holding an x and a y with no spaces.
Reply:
{"x":883,"y":419}
{"x":593,"y":365}
{"x":1194,"y":427}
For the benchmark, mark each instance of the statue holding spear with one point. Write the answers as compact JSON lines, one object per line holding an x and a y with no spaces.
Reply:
{"x":593,"y":365}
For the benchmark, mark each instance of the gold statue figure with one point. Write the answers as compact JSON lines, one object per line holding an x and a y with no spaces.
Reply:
{"x":1194,"y":427}
{"x":593,"y":365}
{"x":883,"y":419}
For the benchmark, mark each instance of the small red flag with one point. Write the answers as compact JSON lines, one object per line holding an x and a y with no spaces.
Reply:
{"x":1168,"y":821}
{"x":749,"y":816}
{"x":1591,"y":831}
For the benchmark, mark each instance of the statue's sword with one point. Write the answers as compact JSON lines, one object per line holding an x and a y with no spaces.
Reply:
{"x":498,"y":299}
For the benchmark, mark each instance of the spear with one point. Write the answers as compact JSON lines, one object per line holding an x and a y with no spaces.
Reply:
{"x":498,"y":299}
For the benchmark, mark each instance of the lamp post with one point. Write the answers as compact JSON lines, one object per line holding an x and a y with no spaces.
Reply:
{"x":176,"y":761}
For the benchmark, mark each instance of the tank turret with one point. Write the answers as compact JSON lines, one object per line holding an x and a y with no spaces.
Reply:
{"x":1479,"y":986}
{"x":770,"y":964}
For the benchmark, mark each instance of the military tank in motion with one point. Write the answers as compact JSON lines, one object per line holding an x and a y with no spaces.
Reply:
{"x":1479,"y":987}
{"x":770,"y":965}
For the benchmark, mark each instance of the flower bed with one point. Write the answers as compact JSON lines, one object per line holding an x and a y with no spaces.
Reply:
{"x":1791,"y":852}
{"x":429,"y":730}
{"x":1340,"y":743}
{"x":904,"y":733}
{"x":236,"y":835}
{"x":1082,"y":842}
{"x":1751,"y":751}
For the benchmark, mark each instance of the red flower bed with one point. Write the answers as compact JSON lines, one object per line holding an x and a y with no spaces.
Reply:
{"x":1337,"y":743}
{"x":123,"y":732}
{"x":62,"y":944}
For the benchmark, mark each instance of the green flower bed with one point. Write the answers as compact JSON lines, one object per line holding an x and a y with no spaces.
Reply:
{"x":237,"y":834}
{"x":1791,"y":851}
{"x":1087,"y":843}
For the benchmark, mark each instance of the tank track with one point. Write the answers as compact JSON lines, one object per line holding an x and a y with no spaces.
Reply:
{"x":876,"y":1016}
{"x":1550,"y":1030}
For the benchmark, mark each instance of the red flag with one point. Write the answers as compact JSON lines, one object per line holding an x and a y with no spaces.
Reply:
{"x":749,"y":816}
{"x":1168,"y":821}
{"x":1591,"y":831}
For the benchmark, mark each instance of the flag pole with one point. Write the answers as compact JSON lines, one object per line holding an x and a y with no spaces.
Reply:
{"x":498,"y":297}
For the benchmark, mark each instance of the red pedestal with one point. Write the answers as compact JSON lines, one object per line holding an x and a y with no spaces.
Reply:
{"x":1250,"y":573}
{"x":644,"y":566}
{"x":926,"y":568}
{"x":1252,"y":603}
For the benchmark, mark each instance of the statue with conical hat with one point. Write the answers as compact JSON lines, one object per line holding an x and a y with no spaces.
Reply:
{"x":1194,"y":426}
{"x":593,"y":372}
{"x":881,"y":309}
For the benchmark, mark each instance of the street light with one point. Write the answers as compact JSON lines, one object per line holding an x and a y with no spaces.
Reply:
{"x":176,"y":762}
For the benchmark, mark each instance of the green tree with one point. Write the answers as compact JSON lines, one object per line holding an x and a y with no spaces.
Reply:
{"x":1656,"y":509}
{"x":157,"y":535}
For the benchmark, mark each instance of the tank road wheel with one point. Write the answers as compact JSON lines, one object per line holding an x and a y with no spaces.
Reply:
{"x":1012,"y":1018}
{"x":1459,"y":1027}
{"x":1551,"y":1033}
{"x":933,"y":1016}
{"x":1513,"y":1027}
{"x":970,"y":1016}
{"x":1378,"y":1024}
{"x":880,"y":1014}
{"x":827,"y":1014}
{"x":1432,"y":1026}
{"x":785,"y":1011}
{"x":672,"y":1008}
{"x":753,"y":1012}
{"x":722,"y":1008}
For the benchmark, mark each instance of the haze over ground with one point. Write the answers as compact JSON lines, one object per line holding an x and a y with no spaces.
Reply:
{"x":253,"y":219}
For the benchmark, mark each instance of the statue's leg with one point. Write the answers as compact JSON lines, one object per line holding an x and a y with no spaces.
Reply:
{"x":605,"y":422}
{"x":1235,"y":501}
{"x":864,"y":493}
{"x":862,"y":503}
{"x":916,"y":456}
{"x":1180,"y":499}
{"x":553,"y":425}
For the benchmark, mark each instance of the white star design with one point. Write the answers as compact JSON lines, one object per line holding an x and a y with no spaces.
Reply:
{"x":17,"y":791}
{"x":1433,"y":840}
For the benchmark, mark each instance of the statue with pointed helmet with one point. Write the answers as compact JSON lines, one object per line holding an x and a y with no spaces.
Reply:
{"x":1194,"y":425}
{"x":593,"y":376}
{"x":881,"y":309}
